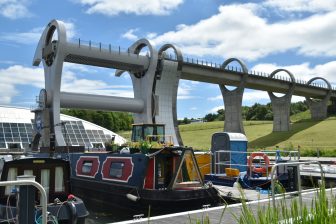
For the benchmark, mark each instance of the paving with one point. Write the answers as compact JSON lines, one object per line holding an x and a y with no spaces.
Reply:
{"x":225,"y":215}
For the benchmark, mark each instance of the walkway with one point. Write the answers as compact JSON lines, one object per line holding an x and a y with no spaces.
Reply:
{"x":216,"y":213}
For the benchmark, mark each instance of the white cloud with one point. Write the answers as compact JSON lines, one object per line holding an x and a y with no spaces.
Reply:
{"x":130,"y":34}
{"x":15,"y":9}
{"x":138,"y":7}
{"x":72,"y":83}
{"x":215,"y":98}
{"x":18,"y":75}
{"x":151,"y":35}
{"x":215,"y":109}
{"x":302,"y":5}
{"x":33,"y":36}
{"x":185,"y":89}
{"x":226,"y":34}
{"x":304,"y":71}
{"x":193,"y":108}
{"x":11,"y":78}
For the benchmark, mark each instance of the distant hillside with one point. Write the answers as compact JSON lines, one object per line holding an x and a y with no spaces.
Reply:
{"x":311,"y":136}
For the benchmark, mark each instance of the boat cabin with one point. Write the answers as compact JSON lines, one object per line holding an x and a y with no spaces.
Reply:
{"x":150,"y":133}
{"x":168,"y":168}
{"x":52,"y":174}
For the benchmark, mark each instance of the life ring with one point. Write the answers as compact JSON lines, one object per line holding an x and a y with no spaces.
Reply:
{"x":258,"y":169}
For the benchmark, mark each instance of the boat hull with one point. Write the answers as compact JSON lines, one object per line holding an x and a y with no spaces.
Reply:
{"x":111,"y":198}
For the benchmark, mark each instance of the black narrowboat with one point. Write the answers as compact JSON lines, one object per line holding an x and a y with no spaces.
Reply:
{"x":162,"y":181}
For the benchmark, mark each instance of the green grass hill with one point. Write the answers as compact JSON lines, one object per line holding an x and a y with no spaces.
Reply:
{"x":312,"y":136}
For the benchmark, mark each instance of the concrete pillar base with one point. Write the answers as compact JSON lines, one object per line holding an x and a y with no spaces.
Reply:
{"x":281,"y":105}
{"x":318,"y":110}
{"x":233,"y":111}
{"x":233,"y":101}
{"x":281,"y":113}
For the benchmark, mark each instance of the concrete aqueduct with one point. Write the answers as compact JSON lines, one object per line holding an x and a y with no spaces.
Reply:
{"x":155,"y":79}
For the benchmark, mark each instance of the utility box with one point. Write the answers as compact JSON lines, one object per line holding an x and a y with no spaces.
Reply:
{"x":229,"y":150}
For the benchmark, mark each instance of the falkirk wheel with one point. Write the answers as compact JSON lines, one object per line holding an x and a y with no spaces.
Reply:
{"x":155,"y":80}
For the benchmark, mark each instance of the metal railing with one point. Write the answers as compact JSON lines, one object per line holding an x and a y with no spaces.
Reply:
{"x":292,"y":155}
{"x":298,"y":177}
{"x":39,"y":187}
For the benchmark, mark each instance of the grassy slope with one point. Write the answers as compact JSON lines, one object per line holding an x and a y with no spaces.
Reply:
{"x":310,"y":135}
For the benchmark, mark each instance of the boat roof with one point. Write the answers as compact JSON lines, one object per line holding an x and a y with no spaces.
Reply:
{"x":233,"y":136}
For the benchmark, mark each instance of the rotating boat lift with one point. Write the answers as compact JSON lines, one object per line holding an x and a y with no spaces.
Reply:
{"x":155,"y":80}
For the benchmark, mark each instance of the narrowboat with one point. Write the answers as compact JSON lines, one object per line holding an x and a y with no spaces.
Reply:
{"x":54,"y":176}
{"x":142,"y":179}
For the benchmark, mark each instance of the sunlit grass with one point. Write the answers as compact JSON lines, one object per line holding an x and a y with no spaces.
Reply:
{"x":322,"y":209}
{"x":313,"y":137}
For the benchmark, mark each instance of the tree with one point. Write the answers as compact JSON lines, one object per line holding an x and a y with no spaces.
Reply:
{"x":210,"y":117}
{"x":114,"y":121}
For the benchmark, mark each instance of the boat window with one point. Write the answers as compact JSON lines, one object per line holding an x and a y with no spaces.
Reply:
{"x":137,"y":134}
{"x":28,"y":172}
{"x":188,"y":174}
{"x":87,"y":167}
{"x":45,"y":179}
{"x":59,"y":180}
{"x":116,"y":169}
{"x":12,"y":174}
{"x":149,"y":130}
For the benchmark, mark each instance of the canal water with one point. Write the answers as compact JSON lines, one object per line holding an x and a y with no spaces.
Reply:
{"x":106,"y":217}
{"x":101,"y":218}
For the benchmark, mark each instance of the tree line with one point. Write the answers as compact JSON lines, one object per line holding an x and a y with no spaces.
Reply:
{"x":114,"y":121}
{"x":254,"y":112}
{"x":118,"y":121}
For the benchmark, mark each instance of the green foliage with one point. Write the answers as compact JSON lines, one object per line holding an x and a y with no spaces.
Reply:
{"x":322,"y":210}
{"x":115,"y":121}
{"x":298,"y":107}
{"x":259,"y":112}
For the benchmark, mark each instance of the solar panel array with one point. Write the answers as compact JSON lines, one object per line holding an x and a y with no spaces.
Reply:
{"x":74,"y":133}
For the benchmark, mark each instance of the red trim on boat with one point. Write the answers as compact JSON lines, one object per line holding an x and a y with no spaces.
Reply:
{"x":149,"y":180}
{"x":92,"y":172}
{"x":119,"y":169}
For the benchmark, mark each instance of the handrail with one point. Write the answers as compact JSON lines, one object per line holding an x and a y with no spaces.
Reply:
{"x":38,"y":186}
{"x":217,"y":154}
{"x":298,"y":176}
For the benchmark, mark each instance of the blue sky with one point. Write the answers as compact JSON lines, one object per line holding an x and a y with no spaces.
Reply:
{"x":299,"y":35}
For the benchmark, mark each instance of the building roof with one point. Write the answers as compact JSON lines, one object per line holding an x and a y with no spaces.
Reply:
{"x":20,"y":115}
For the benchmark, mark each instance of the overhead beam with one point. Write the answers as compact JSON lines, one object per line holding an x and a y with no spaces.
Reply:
{"x":99,"y":102}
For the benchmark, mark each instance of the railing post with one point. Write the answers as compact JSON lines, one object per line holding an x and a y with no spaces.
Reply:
{"x":26,"y":202}
{"x":299,"y":178}
{"x":39,"y":187}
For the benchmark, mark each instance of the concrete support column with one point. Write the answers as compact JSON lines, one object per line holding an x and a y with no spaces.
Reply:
{"x":165,"y":90}
{"x":319,"y":108}
{"x":233,"y":101}
{"x":281,"y":105}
